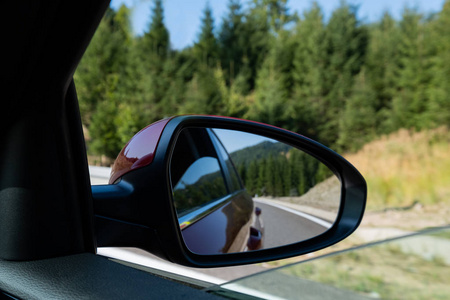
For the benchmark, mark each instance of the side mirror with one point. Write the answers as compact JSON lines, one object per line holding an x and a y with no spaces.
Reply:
{"x":214,"y":191}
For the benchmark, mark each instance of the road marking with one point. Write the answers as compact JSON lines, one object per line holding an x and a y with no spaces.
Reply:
{"x":296,"y":212}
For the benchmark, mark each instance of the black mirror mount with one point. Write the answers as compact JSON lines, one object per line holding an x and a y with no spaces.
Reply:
{"x":139,"y":211}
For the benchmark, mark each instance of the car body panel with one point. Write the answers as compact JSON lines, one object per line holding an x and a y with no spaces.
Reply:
{"x":225,"y":230}
{"x":139,"y":151}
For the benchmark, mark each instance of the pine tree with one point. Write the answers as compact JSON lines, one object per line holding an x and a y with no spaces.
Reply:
{"x":357,"y":125}
{"x":156,"y":40}
{"x":251,"y":178}
{"x":232,"y":40}
{"x":438,"y":108}
{"x":258,"y":38}
{"x":382,"y":64}
{"x":103,"y":131}
{"x":278,"y":14}
{"x":152,"y":52}
{"x":106,"y":56}
{"x":306,"y":105}
{"x":262,"y":186}
{"x":345,"y":45}
{"x":206,"y":49}
{"x":180,"y":69}
{"x":274,"y":83}
{"x":102,"y":81}
{"x":413,"y":76}
{"x":203,"y":95}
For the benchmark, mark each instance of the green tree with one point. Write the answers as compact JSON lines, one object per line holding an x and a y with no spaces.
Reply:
{"x":102,"y":130}
{"x":274,"y":83}
{"x":357,"y":124}
{"x":107,"y":55}
{"x":232,"y":40}
{"x":438,"y":110}
{"x":156,"y":39}
{"x":126,"y":122}
{"x":262,"y":177}
{"x":152,"y":51}
{"x":180,"y":69}
{"x":203,"y":95}
{"x":382,"y":63}
{"x":410,"y":102}
{"x":306,"y":105}
{"x":102,"y":81}
{"x":251,"y":177}
{"x":345,"y":45}
{"x":278,"y":15}
{"x":206,"y":49}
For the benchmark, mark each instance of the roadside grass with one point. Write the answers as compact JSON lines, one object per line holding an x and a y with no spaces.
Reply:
{"x":443,"y":234}
{"x":383,"y":271}
{"x":408,"y":178}
{"x":406,"y":167}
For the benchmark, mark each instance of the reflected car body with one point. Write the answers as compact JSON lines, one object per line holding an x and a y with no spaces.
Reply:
{"x":215,"y":212}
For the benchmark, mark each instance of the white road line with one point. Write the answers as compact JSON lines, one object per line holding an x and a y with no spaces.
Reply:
{"x":296,"y":212}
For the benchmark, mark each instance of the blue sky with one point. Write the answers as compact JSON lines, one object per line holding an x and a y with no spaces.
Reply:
{"x":182,"y":17}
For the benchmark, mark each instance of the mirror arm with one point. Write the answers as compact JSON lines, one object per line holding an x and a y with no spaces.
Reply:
{"x":111,"y":206}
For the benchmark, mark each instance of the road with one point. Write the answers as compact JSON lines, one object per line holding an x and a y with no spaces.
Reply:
{"x":284,"y":226}
{"x":99,"y":175}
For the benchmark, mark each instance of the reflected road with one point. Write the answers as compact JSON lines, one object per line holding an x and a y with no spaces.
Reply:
{"x":282,"y":227}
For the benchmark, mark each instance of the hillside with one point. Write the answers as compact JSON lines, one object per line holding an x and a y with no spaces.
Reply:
{"x":257,"y":152}
{"x":406,"y":168}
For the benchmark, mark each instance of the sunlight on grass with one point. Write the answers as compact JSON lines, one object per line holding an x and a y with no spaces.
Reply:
{"x":384,"y":272}
{"x":406,"y":167}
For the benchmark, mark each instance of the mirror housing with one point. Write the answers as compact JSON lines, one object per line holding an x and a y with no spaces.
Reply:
{"x":136,"y":209}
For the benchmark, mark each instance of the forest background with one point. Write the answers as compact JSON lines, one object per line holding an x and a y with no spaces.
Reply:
{"x":341,"y":82}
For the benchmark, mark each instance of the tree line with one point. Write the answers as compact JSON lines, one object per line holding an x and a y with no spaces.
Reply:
{"x":341,"y":81}
{"x":290,"y":173}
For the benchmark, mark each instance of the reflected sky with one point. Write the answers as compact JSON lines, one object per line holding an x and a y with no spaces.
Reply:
{"x":203,"y":166}
{"x":234,"y":140}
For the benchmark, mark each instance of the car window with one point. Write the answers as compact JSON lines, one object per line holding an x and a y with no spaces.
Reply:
{"x":196,"y":175}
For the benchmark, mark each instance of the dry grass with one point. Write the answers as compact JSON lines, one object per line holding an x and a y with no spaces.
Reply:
{"x":406,"y":167}
{"x":384,"y":271}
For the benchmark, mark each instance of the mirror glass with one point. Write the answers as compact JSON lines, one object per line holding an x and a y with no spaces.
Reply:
{"x":234,"y":191}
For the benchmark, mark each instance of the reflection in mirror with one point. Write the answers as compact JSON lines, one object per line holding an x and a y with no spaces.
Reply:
{"x":234,"y":191}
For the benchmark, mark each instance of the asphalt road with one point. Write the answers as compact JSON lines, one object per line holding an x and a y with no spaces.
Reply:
{"x":283,"y":227}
